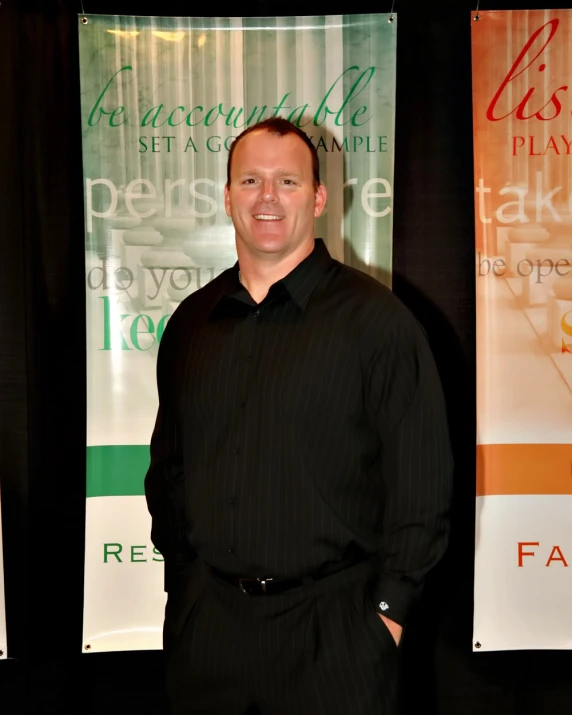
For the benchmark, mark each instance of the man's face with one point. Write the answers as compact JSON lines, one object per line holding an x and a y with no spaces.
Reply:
{"x":272,"y":199}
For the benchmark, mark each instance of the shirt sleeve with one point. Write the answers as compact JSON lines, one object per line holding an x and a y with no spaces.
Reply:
{"x":408,"y":410}
{"x":164,"y":481}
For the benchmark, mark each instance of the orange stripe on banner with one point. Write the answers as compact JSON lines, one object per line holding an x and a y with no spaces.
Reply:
{"x":524,"y":469}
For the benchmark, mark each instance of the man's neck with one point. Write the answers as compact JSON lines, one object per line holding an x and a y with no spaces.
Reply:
{"x":259,"y":273}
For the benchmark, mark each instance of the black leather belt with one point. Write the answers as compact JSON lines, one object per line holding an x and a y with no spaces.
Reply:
{"x":261,"y":586}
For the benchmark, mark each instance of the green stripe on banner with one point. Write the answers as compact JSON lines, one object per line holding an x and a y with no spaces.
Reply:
{"x":117,"y":470}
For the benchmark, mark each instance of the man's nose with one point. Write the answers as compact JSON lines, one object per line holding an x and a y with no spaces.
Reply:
{"x":268,"y":191}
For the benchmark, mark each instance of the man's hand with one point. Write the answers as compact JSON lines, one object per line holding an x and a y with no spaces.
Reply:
{"x":394,"y":628}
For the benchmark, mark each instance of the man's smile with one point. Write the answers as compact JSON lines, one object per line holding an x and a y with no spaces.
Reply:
{"x":268,"y":217}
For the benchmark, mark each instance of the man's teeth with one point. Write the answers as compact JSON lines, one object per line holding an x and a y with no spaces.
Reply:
{"x":266,"y":217}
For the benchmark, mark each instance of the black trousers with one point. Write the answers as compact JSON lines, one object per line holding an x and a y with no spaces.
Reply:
{"x":320,"y":649}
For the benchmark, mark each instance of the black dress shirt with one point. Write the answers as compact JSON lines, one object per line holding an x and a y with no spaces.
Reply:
{"x":301,"y":434}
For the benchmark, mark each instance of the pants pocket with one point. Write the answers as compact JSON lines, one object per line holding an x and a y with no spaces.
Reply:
{"x":378,"y":624}
{"x":181,"y":606}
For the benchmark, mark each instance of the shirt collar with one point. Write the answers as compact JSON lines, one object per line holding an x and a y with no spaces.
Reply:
{"x":299,"y":283}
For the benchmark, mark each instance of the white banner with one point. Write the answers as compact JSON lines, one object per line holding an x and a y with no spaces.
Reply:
{"x":162,"y":100}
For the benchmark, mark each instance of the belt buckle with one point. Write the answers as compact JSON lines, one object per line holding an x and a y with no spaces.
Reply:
{"x":261,"y":581}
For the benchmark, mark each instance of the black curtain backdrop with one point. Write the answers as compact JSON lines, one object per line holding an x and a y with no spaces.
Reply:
{"x":42,"y":361}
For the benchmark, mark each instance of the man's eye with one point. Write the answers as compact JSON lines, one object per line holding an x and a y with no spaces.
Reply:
{"x":249,"y":181}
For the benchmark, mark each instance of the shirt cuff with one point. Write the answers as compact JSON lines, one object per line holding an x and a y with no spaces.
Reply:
{"x":393,"y":598}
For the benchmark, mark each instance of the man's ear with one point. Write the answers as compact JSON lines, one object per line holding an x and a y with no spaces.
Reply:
{"x":320,"y":201}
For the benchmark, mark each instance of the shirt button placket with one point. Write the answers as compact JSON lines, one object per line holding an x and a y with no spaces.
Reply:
{"x":232,"y":501}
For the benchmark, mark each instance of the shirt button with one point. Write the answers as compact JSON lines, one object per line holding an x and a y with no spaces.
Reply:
{"x":231,"y":550}
{"x":248,"y":358}
{"x":256,"y":315}
{"x":232,"y":501}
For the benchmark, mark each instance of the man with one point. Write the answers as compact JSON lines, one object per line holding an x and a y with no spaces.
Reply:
{"x":300,"y":464}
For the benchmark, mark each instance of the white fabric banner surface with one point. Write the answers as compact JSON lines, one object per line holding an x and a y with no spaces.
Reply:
{"x":161,"y":101}
{"x":522,"y":63}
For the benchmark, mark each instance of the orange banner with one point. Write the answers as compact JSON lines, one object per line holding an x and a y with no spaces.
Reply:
{"x":522,"y":119}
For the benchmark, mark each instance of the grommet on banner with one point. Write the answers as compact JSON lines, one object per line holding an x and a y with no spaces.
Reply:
{"x":84,"y":19}
{"x":477,"y":644}
{"x":477,"y":16}
{"x":391,"y":15}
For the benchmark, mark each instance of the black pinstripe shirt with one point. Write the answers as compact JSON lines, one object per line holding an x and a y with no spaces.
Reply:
{"x":301,"y":434}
